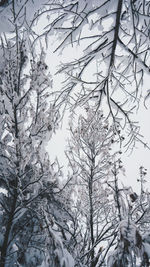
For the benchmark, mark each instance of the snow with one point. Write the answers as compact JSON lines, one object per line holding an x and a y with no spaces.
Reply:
{"x":147,"y":249}
{"x":64,"y":257}
{"x":31,"y":153}
{"x":30,"y":9}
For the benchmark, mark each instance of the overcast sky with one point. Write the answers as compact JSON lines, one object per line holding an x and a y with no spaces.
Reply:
{"x":132,"y":162}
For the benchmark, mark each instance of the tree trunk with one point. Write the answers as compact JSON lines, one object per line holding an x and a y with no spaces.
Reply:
{"x":8,"y":231}
{"x":91,"y":212}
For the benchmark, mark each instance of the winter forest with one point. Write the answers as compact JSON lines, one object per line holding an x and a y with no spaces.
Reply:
{"x":84,"y":64}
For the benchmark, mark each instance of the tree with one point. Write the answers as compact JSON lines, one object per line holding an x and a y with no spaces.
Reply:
{"x":91,"y":161}
{"x":113,"y":53}
{"x":21,"y":145}
{"x":132,"y":247}
{"x":28,"y":181}
{"x":110,"y":215}
{"x":39,"y":226}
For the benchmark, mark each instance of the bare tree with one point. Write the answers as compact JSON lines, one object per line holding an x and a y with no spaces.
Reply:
{"x":39,"y":227}
{"x":91,"y":161}
{"x":110,"y":215}
{"x":113,"y":53}
{"x":132,"y":246}
{"x":28,"y":180}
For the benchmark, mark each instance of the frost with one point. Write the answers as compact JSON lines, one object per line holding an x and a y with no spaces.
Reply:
{"x":63,"y":257}
{"x":27,"y":8}
{"x":147,"y":249}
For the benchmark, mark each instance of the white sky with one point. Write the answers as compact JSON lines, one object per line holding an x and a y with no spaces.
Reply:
{"x":140,"y":155}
